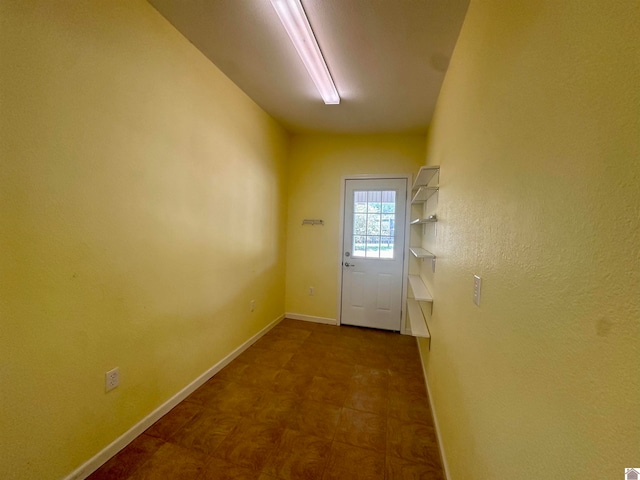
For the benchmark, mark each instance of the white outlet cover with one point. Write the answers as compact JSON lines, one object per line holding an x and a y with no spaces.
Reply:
{"x":112,"y":378}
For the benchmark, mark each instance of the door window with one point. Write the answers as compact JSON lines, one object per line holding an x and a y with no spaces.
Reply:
{"x":374,"y":215}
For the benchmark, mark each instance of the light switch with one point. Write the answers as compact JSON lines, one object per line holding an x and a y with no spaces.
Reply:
{"x":477,"y":284}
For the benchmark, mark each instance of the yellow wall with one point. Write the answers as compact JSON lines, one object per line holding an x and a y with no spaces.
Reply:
{"x":143,"y":207}
{"x":317,"y":164}
{"x":537,"y":132}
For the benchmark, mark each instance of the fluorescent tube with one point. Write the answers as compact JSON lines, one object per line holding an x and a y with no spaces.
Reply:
{"x":297,"y":26}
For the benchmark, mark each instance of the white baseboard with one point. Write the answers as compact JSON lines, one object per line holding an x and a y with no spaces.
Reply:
{"x":309,"y":318}
{"x":443,"y":457}
{"x":126,"y":438}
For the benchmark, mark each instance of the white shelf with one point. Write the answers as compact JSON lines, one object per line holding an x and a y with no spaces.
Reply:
{"x":420,"y":291}
{"x":424,"y":193}
{"x":424,"y":188}
{"x":425,"y":174}
{"x":416,"y":320}
{"x":421,"y":252}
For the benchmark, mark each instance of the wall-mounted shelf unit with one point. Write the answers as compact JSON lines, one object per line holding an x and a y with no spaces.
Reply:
{"x":424,"y":189}
{"x":421,"y":253}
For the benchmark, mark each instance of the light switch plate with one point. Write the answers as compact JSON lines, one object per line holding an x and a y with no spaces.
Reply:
{"x":477,"y":285}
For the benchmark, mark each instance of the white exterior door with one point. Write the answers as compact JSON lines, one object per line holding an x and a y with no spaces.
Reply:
{"x":373,"y":252}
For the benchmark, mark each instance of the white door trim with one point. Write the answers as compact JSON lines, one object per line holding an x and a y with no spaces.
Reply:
{"x":407,"y":234}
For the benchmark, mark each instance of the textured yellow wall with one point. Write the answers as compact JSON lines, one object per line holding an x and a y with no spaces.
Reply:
{"x":537,"y":132}
{"x":317,"y":164}
{"x":142,"y":208}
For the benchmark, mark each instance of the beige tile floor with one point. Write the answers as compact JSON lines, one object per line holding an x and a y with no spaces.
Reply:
{"x":307,"y":401}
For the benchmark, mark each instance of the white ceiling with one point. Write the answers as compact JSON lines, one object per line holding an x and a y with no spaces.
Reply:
{"x":387,"y":58}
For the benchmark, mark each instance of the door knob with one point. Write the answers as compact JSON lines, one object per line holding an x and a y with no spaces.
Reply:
{"x":347,"y":264}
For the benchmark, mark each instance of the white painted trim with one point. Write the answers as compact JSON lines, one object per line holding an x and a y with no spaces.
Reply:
{"x":443,"y":456}
{"x":378,"y":176}
{"x":407,"y":233}
{"x":343,"y":186}
{"x":405,"y":271}
{"x":91,"y":465}
{"x":310,"y":318}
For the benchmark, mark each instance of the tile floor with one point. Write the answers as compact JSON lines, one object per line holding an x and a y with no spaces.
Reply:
{"x":307,"y":401}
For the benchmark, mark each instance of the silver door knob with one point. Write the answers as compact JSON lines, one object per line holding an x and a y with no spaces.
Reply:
{"x":347,"y":264}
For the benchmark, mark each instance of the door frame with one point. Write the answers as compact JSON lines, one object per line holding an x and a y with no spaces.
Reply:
{"x":405,"y":247}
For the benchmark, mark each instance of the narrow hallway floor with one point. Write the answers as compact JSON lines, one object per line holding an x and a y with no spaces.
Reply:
{"x":307,"y":401}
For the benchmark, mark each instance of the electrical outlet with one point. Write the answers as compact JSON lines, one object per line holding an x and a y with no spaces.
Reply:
{"x":477,"y":284}
{"x":252,"y":305}
{"x":312,"y":291}
{"x":112,"y":379}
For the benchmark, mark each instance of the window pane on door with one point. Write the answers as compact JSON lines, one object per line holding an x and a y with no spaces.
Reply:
{"x":386,"y":226}
{"x":374,"y":223}
{"x":360,"y":202}
{"x":388,"y":207}
{"x":386,"y":247}
{"x":373,"y":246}
{"x":373,"y":202}
{"x":359,"y":224}
{"x":388,"y":199}
{"x":359,"y":244}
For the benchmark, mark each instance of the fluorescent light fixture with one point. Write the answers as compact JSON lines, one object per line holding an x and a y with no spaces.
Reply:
{"x":297,"y":26}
